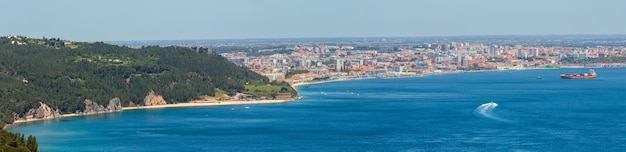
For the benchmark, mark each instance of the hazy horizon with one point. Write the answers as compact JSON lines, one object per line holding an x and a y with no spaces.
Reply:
{"x":144,"y":20}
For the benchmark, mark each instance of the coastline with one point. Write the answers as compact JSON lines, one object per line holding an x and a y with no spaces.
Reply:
{"x":294,"y":85}
{"x":32,"y":120}
{"x":201,"y":104}
{"x":176,"y":105}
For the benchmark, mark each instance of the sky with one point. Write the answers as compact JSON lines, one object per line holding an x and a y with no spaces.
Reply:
{"x":124,"y":20}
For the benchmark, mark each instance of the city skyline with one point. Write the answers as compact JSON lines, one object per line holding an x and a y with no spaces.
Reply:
{"x":248,"y":19}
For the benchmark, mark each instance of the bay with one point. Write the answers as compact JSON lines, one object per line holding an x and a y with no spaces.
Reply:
{"x":449,"y":112}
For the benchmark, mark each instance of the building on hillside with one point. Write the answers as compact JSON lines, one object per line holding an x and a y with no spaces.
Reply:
{"x":274,"y":76}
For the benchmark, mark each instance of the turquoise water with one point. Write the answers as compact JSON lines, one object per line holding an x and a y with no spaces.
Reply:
{"x":434,"y":113}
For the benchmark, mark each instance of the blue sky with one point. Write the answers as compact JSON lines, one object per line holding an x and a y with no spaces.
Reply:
{"x":115,"y":20}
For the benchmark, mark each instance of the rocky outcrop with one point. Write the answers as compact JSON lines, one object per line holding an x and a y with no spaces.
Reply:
{"x":91,"y":107}
{"x":43,"y":112}
{"x":153,"y":99}
{"x":115,"y":104}
{"x":16,"y":117}
{"x":131,"y":104}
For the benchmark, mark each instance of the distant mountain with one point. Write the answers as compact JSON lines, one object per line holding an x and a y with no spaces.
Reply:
{"x":64,"y":74}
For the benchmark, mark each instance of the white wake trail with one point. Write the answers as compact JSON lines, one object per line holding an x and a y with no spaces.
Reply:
{"x":486,"y":110}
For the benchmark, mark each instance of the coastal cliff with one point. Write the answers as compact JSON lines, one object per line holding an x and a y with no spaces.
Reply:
{"x":46,"y":112}
{"x":153,"y":99}
{"x":114,"y":105}
{"x":91,"y":107}
{"x":42,"y":112}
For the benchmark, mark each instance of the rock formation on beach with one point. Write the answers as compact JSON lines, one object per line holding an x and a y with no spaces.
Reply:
{"x":153,"y":99}
{"x":43,"y":112}
{"x":114,"y":105}
{"x":91,"y":107}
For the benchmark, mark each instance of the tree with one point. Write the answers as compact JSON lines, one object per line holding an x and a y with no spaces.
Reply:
{"x":31,"y":143}
{"x":98,"y":71}
{"x":13,"y":142}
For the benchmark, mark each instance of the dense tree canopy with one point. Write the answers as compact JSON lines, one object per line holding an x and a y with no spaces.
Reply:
{"x":63,"y":77}
{"x":16,"y":142}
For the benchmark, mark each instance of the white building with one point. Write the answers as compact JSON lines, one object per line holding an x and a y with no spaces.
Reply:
{"x":339,"y":65}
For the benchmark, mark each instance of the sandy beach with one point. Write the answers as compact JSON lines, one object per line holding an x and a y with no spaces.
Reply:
{"x":177,"y":105}
{"x":213,"y":103}
{"x":31,"y":120}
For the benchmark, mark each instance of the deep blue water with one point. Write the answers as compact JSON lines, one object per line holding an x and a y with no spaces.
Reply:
{"x":433,"y":113}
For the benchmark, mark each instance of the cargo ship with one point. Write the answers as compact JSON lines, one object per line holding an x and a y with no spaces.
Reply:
{"x":592,"y":74}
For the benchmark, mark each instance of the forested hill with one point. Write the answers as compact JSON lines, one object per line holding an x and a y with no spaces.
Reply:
{"x":63,"y":74}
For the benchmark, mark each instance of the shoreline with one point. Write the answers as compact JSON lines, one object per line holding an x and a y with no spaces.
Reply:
{"x":294,"y":85}
{"x":176,"y":105}
{"x":201,"y":104}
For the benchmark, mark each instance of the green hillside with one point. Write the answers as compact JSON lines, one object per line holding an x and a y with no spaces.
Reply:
{"x":16,"y":142}
{"x":63,"y":74}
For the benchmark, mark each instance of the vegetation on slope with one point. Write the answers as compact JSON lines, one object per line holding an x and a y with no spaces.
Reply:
{"x":46,"y":70}
{"x":269,"y":91}
{"x":16,"y":142}
{"x":294,"y":72}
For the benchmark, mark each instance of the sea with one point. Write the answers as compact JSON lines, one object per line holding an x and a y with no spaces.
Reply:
{"x":531,"y":110}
